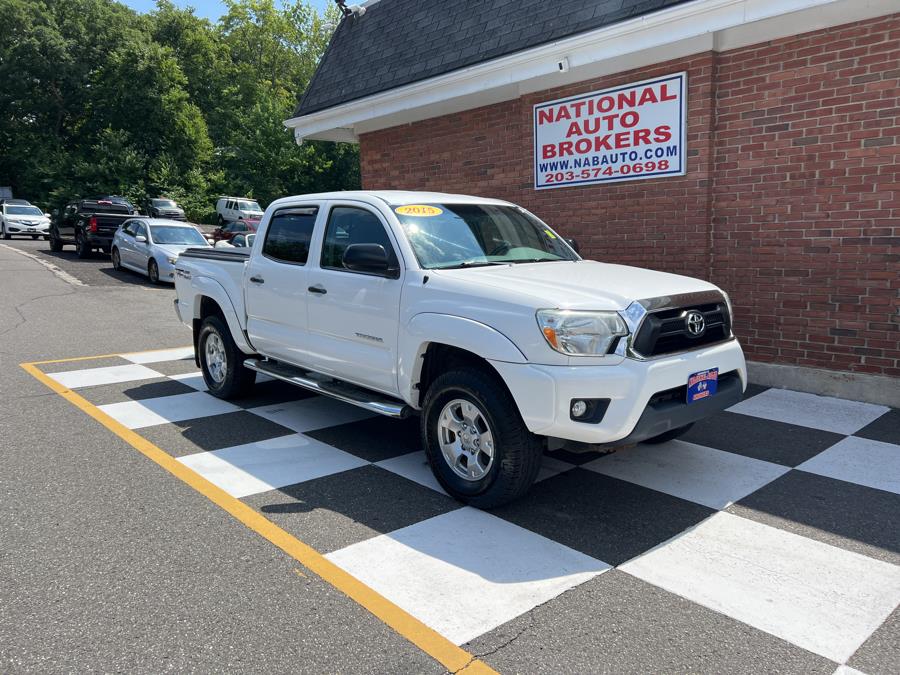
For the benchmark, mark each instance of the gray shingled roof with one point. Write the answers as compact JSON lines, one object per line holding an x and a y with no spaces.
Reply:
{"x":398,"y":42}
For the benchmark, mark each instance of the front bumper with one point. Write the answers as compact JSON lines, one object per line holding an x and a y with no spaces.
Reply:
{"x":166,"y":269}
{"x":544,"y":394}
{"x":28,"y":228}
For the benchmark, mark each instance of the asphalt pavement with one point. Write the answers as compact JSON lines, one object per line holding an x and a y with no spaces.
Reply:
{"x":108,"y":563}
{"x":766,"y":540}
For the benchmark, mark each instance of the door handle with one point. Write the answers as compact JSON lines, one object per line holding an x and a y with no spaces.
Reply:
{"x":318,"y":288}
{"x":257,"y":279}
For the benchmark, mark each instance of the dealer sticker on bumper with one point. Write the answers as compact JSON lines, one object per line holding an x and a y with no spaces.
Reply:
{"x":702,"y":385}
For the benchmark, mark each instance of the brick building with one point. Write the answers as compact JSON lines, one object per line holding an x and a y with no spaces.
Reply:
{"x":788,"y":139}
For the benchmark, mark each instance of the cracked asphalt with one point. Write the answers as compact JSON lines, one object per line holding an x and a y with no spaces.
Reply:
{"x":107,"y":562}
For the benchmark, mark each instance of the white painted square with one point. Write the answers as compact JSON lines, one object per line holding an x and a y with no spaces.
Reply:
{"x":819,"y":597}
{"x":308,"y":414}
{"x":164,"y":409}
{"x":159,"y":355}
{"x":92,"y":377}
{"x":413,"y":466}
{"x":808,"y":410}
{"x":703,"y":475}
{"x":466,"y":572}
{"x":193,"y":380}
{"x":859,"y":460}
{"x":249,"y":469}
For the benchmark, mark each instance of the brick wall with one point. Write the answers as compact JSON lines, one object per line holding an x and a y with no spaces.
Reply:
{"x":791,"y":201}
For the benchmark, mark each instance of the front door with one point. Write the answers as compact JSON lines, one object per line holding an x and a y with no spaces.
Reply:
{"x":276,"y":282}
{"x":353,"y":316}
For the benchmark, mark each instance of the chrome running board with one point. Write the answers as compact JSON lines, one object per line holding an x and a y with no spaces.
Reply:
{"x":327,"y":386}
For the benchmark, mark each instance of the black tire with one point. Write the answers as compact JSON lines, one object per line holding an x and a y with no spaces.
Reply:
{"x":517,"y":452}
{"x":6,"y":235}
{"x":670,"y":435}
{"x":55,"y":244}
{"x":46,"y":237}
{"x":116,"y":259}
{"x":35,"y":236}
{"x":221,"y":221}
{"x":237,"y":380}
{"x":82,"y":246}
{"x":153,"y":272}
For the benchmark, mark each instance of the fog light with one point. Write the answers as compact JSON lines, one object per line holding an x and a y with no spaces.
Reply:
{"x":579,"y":408}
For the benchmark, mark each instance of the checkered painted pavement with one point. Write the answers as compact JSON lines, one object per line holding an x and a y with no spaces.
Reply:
{"x":771,"y":529}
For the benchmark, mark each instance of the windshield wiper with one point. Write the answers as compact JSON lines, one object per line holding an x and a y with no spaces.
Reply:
{"x":472,"y":263}
{"x":533,"y":260}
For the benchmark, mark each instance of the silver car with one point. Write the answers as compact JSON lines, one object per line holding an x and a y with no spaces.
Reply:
{"x":152,"y":245}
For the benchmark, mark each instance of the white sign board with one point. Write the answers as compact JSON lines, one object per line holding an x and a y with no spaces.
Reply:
{"x":631,"y":132}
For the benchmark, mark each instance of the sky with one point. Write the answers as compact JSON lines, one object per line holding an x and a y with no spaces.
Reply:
{"x":211,"y":9}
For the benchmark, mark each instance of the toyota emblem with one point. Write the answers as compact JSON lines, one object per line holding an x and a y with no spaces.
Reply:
{"x":695,"y":323}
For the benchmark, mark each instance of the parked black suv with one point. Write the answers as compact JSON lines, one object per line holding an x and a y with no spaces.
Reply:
{"x":89,"y":224}
{"x":163,"y":207}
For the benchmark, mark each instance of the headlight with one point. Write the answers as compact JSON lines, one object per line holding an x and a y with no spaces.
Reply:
{"x":172,"y":260}
{"x":580,"y":333}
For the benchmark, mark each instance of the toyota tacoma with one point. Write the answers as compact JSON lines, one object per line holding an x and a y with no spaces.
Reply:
{"x":470,"y":313}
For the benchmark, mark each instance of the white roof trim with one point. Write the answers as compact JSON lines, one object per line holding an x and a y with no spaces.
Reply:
{"x":679,"y":31}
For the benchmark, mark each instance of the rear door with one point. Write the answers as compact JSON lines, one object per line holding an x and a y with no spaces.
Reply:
{"x":66,"y":224}
{"x":353,"y":316}
{"x":276,"y":281}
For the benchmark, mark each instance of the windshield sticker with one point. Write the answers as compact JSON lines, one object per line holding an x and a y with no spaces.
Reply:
{"x":550,"y":234}
{"x":418,"y":210}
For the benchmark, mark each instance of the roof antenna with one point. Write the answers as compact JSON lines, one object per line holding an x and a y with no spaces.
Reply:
{"x":357,"y":10}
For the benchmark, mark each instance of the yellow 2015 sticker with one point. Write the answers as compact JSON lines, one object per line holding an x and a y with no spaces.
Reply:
{"x":419,"y":210}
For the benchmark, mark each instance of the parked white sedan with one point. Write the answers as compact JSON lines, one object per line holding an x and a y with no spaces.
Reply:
{"x":152,"y":245}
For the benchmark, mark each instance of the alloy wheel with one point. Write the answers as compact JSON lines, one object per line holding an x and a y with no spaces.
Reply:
{"x":466,"y":439}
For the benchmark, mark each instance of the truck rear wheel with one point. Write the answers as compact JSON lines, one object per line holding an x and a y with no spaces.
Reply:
{"x":82,"y":246}
{"x":477,"y":444}
{"x":55,"y":244}
{"x":222,"y":362}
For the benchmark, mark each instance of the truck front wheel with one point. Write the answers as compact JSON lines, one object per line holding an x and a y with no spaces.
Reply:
{"x":477,"y":444}
{"x":222,"y":362}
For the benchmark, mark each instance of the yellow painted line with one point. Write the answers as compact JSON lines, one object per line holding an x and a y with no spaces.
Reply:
{"x":450,"y":655}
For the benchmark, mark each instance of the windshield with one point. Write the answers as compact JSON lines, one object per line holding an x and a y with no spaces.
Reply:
{"x":23,"y":211}
{"x":471,"y":235}
{"x":249,"y":206}
{"x":164,"y":203}
{"x":178,"y":236}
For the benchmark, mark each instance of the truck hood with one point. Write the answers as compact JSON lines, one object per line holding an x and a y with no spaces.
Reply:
{"x":585,"y":284}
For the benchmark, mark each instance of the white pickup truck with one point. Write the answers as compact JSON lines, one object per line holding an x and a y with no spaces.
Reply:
{"x":470,"y":313}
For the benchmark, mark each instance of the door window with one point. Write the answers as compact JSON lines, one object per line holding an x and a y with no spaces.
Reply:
{"x":128,"y":228}
{"x":289,"y":234}
{"x":140,"y":230}
{"x":351,"y":225}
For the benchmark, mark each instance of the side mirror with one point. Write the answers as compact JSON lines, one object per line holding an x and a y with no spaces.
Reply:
{"x":574,"y":244}
{"x":369,"y":258}
{"x":141,"y":239}
{"x":46,"y":215}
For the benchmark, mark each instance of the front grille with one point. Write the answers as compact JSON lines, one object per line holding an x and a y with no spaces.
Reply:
{"x":665,"y":332}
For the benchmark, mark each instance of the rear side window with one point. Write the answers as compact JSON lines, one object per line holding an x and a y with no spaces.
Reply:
{"x":289,"y":234}
{"x":350,"y":225}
